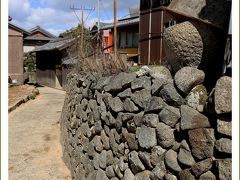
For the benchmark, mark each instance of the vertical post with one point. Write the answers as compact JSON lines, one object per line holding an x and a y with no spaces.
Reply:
{"x":161,"y":38}
{"x":98,"y":17}
{"x":115,"y":28}
{"x":82,"y":31}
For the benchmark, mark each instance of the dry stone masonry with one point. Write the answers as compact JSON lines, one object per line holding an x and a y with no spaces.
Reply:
{"x":147,"y":125}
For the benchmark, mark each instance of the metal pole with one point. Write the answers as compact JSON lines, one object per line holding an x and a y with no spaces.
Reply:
{"x":115,"y":28}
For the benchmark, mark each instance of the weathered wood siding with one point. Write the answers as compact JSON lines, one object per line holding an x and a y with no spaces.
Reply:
{"x":15,"y":55}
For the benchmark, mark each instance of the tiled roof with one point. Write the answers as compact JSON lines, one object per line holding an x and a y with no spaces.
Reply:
{"x":123,"y":22}
{"x":58,"y":44}
{"x":40,"y":38}
{"x":14,"y":26}
{"x":38,"y":28}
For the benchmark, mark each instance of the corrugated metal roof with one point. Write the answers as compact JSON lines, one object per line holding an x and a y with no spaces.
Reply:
{"x":57,"y":44}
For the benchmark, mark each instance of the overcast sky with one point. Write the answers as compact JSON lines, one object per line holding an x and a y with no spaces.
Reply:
{"x":56,"y":16}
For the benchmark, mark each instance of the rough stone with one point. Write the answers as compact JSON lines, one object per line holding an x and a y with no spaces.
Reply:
{"x":157,"y":85}
{"x":207,"y":176}
{"x":145,"y":175}
{"x":105,"y":140}
{"x":128,"y":175}
{"x":117,"y":171}
{"x":202,"y":142}
{"x":96,"y":161}
{"x":171,"y":96}
{"x":96,"y":141}
{"x":116,"y":104}
{"x":85,"y":130}
{"x":223,"y":95}
{"x":190,"y":44}
{"x":146,"y":137}
{"x":145,"y":157}
{"x":121,"y":148}
{"x":160,"y":72}
{"x":187,"y":78}
{"x":125,"y":94}
{"x":170,"y":177}
{"x":102,"y":81}
{"x":156,"y":105}
{"x":142,"y":98}
{"x":110,"y":172}
{"x":112,"y":142}
{"x":197,"y":98}
{"x":143,"y":82}
{"x":224,"y":169}
{"x":150,"y":120}
{"x":144,"y":70}
{"x":185,"y":175}
{"x":157,"y":155}
{"x":170,"y":115}
{"x":103,"y":159}
{"x":224,"y":127}
{"x":158,"y":172}
{"x":202,"y":166}
{"x":135,"y":162}
{"x":171,"y":161}
{"x":131,"y":140}
{"x":120,"y":82}
{"x":109,"y":157}
{"x":131,"y":126}
{"x":224,"y":145}
{"x":165,"y":135}
{"x":101,"y":175}
{"x":138,"y":119}
{"x":129,"y":106}
{"x":185,"y":155}
{"x":192,"y":119}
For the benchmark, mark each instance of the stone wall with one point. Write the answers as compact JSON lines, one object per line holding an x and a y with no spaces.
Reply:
{"x":147,"y":125}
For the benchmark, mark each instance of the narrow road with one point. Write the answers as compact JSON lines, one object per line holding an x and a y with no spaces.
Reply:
{"x":34,"y":138}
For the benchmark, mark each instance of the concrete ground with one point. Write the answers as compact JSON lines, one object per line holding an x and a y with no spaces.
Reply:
{"x":34,"y":138}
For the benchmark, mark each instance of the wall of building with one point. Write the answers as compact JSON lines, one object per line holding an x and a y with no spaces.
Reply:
{"x":15,"y":55}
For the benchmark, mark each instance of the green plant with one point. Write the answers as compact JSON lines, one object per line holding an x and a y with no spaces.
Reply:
{"x":30,"y":61}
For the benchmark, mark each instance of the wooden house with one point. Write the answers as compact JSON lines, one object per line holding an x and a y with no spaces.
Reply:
{"x":53,"y":63}
{"x":38,"y":37}
{"x":16,"y":37}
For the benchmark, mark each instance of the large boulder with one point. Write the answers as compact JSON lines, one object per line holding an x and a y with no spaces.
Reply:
{"x":160,"y":72}
{"x":146,"y":137}
{"x":171,"y":161}
{"x":190,"y":44}
{"x":202,"y":142}
{"x":224,"y":169}
{"x":192,"y":119}
{"x":187,"y":78}
{"x":120,"y":82}
{"x":165,"y":135}
{"x":197,"y":98}
{"x":223,"y":95}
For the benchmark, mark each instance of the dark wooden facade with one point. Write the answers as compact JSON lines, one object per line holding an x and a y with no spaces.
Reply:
{"x":151,"y":27}
{"x":53,"y":63}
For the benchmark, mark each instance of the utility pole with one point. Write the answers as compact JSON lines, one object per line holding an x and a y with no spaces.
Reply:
{"x":115,"y":29}
{"x":82,"y":9}
{"x":98,"y":16}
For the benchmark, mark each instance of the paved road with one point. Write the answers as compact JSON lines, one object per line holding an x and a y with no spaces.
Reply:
{"x":34,"y":138}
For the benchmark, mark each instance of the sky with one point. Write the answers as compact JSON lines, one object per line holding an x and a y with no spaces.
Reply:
{"x":56,"y":16}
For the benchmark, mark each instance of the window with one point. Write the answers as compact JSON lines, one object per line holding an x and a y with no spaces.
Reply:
{"x":128,"y":40}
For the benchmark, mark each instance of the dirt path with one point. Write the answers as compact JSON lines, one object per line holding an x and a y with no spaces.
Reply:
{"x":34,"y":139}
